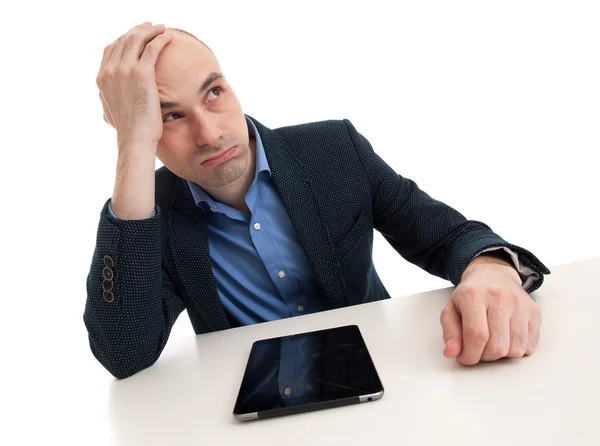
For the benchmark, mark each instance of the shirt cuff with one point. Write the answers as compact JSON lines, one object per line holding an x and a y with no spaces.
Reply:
{"x":117,"y":218}
{"x":529,"y":274}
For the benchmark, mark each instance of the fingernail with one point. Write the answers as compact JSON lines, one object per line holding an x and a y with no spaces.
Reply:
{"x":449,"y":341}
{"x":169,"y":31}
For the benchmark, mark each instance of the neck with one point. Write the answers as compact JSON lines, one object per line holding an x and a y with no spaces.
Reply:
{"x":234,"y":194}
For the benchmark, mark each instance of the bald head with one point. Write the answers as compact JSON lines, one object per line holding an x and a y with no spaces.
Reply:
{"x":184,"y":32}
{"x":184,"y":56}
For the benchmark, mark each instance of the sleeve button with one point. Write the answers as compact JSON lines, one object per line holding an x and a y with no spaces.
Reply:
{"x":108,"y":296}
{"x":107,"y":285}
{"x":107,"y":273}
{"x":108,"y":261}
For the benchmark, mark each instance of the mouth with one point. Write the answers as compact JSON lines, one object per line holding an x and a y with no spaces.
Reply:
{"x":220,"y":157}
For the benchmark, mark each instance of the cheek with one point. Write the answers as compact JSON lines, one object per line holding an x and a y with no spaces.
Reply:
{"x":173,"y":140}
{"x":171,"y":151}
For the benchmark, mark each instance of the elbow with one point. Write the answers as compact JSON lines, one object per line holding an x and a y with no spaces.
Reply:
{"x":120,"y":366}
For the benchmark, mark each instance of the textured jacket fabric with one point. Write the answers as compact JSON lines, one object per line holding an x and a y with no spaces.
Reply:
{"x":336,"y":190}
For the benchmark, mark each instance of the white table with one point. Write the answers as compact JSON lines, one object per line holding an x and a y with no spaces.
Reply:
{"x":550,"y":398}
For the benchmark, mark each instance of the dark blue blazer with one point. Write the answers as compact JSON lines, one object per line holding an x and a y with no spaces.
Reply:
{"x":336,"y":190}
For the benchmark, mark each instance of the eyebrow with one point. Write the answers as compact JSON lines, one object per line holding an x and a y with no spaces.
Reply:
{"x":209,"y":80}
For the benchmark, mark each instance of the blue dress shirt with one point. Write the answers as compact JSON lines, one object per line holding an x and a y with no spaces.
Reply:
{"x":260,"y":268}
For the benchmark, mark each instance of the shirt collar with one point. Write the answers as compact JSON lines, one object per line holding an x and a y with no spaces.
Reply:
{"x":262,"y":165}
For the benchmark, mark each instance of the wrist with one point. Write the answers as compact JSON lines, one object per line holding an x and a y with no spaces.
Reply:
{"x":495,"y":260}
{"x":132,"y":143}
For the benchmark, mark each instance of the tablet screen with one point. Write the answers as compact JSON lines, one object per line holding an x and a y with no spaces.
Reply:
{"x":306,"y":368}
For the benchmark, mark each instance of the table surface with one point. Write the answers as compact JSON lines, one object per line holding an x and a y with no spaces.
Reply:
{"x":187,"y":397}
{"x":550,"y":397}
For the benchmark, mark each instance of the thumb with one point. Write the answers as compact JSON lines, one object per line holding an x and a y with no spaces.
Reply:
{"x":452,"y":330}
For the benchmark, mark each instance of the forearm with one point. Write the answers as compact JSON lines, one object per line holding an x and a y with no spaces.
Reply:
{"x":425,"y":231}
{"x":133,"y":194}
{"x":129,"y":328}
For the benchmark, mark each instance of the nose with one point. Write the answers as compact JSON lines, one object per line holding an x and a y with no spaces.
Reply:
{"x":207,"y":131}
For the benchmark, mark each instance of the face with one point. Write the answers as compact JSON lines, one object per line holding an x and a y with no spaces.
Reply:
{"x":202,"y":117}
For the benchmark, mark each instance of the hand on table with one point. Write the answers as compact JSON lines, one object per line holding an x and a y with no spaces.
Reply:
{"x":489,"y":315}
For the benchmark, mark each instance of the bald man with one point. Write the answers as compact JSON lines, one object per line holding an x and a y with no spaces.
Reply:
{"x":245,"y":224}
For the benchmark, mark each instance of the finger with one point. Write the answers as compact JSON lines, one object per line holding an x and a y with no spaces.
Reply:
{"x":117,"y":54}
{"x":154,"y":48}
{"x":475,"y":331}
{"x":519,"y":335}
{"x":108,"y":50}
{"x":499,"y":327}
{"x":451,"y":330}
{"x":137,"y":41}
{"x":534,"y":326}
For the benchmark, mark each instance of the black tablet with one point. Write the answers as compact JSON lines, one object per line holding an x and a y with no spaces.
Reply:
{"x":306,"y":372}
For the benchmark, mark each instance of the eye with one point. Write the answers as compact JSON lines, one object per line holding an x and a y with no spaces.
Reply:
{"x":216,"y":92}
{"x":171,"y":115}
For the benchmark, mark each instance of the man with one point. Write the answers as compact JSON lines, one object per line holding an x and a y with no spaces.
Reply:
{"x":244,"y":224}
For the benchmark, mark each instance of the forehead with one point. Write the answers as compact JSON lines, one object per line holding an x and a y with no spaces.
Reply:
{"x":184,"y":62}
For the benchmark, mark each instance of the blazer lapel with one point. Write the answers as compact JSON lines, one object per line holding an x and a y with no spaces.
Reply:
{"x":299,"y":199}
{"x":189,"y":245}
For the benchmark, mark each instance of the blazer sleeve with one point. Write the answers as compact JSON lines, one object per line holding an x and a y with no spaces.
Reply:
{"x":425,"y":231}
{"x":131,"y":304}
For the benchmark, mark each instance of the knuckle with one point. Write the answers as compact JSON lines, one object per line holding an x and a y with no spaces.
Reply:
{"x":477,"y":334}
{"x":516,"y":351}
{"x":123,"y":70}
{"x":110,"y":72}
{"x":445,"y":314}
{"x":138,"y":71}
{"x":498,"y":295}
{"x":518,"y":344}
{"x":496,"y":350}
{"x":132,"y":39}
{"x":470,"y":291}
{"x":151,"y":46}
{"x":470,"y":296}
{"x":495,"y":313}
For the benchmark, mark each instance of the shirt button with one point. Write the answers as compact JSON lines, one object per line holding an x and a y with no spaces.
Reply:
{"x":287,"y":391}
{"x":281,"y":274}
{"x":300,"y":308}
{"x":213,"y":209}
{"x":257,"y":226}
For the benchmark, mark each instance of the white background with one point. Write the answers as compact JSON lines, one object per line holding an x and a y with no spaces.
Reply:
{"x":491,"y":107}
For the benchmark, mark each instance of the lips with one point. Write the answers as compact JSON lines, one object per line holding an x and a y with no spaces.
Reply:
{"x":220,"y":157}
